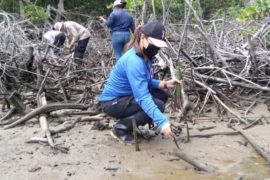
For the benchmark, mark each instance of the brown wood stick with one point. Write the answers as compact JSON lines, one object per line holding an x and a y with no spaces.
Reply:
{"x":253,"y":123}
{"x":9,"y":113}
{"x":251,"y":141}
{"x":192,"y":161}
{"x":208,"y":135}
{"x":135,"y":135}
{"x":43,"y":120}
{"x":206,"y":128}
{"x":44,"y":141}
{"x":44,"y":109}
{"x":65,"y":126}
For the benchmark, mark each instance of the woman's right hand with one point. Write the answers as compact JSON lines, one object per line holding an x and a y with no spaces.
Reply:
{"x":171,"y":83}
{"x":167,"y":131}
{"x":102,"y":18}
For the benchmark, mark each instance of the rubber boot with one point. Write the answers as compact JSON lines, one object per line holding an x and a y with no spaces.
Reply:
{"x":122,"y":131}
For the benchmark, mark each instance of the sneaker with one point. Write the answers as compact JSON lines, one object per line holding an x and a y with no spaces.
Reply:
{"x":121,"y":135}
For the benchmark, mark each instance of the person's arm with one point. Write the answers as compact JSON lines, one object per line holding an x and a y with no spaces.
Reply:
{"x":168,"y":84}
{"x":68,"y":40}
{"x":110,"y":21}
{"x":139,"y":85}
{"x":73,"y":36}
{"x":132,"y":25}
{"x":155,"y":83}
{"x":102,"y":18}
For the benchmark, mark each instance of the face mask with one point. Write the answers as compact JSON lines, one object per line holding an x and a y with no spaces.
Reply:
{"x":150,"y":51}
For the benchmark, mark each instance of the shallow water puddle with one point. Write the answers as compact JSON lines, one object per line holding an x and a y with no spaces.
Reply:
{"x":252,"y":168}
{"x":249,"y":169}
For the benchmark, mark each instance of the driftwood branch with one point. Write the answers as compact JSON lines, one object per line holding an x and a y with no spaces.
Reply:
{"x":229,"y":110}
{"x":43,"y":120}
{"x":45,"y":109}
{"x":74,"y":113}
{"x":251,"y":141}
{"x":8,"y":114}
{"x":253,"y":123}
{"x":208,"y":135}
{"x":195,"y":163}
{"x":65,"y":126}
{"x":44,"y":141}
{"x":206,"y":128}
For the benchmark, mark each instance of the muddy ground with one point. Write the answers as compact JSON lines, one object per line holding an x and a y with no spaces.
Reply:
{"x":94,"y":154}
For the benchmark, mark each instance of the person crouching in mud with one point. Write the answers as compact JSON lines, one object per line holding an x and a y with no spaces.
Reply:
{"x":77,"y":37}
{"x":130,"y":91}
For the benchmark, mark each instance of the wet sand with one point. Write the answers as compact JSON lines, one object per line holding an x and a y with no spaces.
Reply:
{"x":95,"y":154}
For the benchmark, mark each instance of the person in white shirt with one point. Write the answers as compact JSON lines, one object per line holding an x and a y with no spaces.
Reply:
{"x":54,"y":38}
{"x":77,"y":36}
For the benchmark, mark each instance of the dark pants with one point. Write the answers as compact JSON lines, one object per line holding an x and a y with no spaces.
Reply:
{"x":127,"y":106}
{"x":80,"y":48}
{"x":58,"y":42}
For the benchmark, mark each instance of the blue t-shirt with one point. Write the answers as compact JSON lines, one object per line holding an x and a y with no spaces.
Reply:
{"x":131,"y":77}
{"x":121,"y":21}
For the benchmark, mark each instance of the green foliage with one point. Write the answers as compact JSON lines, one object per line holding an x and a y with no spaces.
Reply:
{"x":35,"y":13}
{"x":234,"y":10}
{"x":90,"y":7}
{"x":82,"y":10}
{"x":248,"y":32}
{"x":254,"y":12}
{"x":177,"y":9}
{"x":134,"y":5}
{"x":219,"y":8}
{"x":9,"y":6}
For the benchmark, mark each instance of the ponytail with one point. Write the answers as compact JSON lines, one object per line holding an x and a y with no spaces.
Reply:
{"x":135,"y":38}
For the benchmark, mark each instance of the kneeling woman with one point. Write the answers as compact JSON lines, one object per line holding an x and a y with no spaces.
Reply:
{"x":130,"y":90}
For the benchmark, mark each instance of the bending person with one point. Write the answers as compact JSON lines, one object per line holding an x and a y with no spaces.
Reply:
{"x":130,"y":91}
{"x":77,"y":35}
{"x":121,"y":24}
{"x":56,"y":39}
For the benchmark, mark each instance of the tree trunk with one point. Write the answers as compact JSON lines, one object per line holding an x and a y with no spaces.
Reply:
{"x":21,"y":9}
{"x":144,"y":11}
{"x":154,"y":9}
{"x":199,"y":8}
{"x":60,"y":10}
{"x":47,"y":22}
{"x":163,"y":12}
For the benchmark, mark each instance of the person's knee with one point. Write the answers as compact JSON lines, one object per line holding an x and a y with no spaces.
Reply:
{"x":160,"y":104}
{"x":165,"y":96}
{"x":160,"y":94}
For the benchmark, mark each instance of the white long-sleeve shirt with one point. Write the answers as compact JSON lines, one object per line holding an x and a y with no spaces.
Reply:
{"x":49,"y":36}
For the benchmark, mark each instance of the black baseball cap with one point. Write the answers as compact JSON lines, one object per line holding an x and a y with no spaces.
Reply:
{"x":155,"y":31}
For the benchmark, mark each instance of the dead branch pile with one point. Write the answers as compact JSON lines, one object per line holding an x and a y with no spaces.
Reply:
{"x":219,"y":65}
{"x":223,"y":65}
{"x":35,"y":83}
